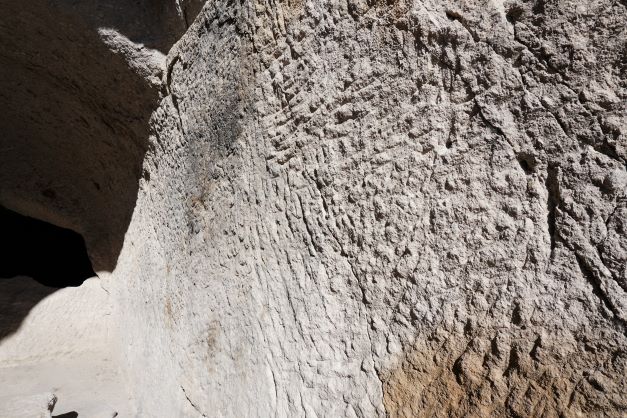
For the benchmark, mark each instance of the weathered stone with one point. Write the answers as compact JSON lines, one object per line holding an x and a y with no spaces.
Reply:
{"x":369,"y":208}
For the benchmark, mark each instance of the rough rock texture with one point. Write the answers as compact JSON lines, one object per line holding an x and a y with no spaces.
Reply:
{"x":368,"y":208}
{"x":380,"y":208}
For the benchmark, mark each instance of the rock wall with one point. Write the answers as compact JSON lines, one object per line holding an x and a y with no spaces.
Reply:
{"x":79,"y":81}
{"x":72,"y":144}
{"x":331,"y":208}
{"x":383,"y":208}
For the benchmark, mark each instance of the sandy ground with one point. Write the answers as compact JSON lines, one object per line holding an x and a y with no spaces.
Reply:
{"x":87,"y":385}
{"x":60,"y":342}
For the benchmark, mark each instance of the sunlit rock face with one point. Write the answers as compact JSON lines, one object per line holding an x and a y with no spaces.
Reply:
{"x":369,"y":208}
{"x":366,"y":208}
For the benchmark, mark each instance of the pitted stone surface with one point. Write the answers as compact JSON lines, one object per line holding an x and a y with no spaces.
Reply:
{"x":370,"y":208}
{"x":385,"y":208}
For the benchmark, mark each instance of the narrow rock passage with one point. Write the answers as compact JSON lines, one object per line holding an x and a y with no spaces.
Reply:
{"x":342,"y":208}
{"x":78,"y":84}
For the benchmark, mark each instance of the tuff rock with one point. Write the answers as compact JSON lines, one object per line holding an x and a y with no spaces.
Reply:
{"x":354,"y":208}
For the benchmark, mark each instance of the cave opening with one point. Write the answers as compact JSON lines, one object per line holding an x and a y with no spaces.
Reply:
{"x":53,"y":256}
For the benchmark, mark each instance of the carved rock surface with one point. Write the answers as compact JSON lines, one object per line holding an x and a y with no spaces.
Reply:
{"x":372,"y":208}
{"x":379,"y":208}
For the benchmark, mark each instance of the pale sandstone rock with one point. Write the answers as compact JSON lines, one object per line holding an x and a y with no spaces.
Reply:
{"x":368,"y":208}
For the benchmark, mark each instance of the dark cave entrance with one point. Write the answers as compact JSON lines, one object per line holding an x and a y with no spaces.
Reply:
{"x":53,"y":256}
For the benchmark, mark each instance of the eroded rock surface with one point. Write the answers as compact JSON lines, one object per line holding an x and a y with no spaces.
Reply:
{"x":365,"y":208}
{"x":385,"y":208}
